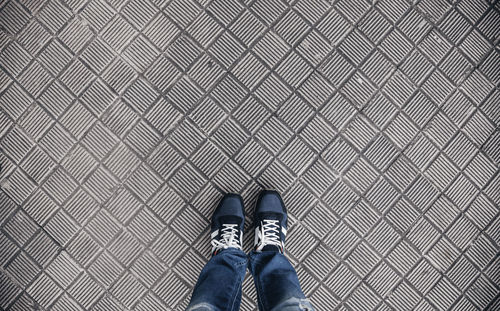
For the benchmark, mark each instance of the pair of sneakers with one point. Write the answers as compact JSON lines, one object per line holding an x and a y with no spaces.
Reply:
{"x":270,"y":221}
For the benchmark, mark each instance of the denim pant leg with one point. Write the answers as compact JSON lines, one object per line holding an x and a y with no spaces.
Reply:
{"x":277,"y":284}
{"x":219,"y":285}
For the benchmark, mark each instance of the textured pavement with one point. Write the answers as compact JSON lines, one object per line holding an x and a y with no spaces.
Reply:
{"x":122,"y":123}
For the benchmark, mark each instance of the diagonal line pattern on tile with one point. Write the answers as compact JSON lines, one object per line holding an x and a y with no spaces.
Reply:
{"x":122,"y":123}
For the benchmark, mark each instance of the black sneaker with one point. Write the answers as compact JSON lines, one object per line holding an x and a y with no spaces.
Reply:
{"x":227,"y":224}
{"x":270,"y":222}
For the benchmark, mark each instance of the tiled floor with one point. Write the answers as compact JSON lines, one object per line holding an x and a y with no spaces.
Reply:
{"x":123,"y":122}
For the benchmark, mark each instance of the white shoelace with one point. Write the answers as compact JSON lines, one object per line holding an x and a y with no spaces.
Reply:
{"x":229,"y":238}
{"x":269,"y":234}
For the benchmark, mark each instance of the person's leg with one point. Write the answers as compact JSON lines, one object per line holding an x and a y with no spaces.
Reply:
{"x":277,"y":284}
{"x":219,"y":285}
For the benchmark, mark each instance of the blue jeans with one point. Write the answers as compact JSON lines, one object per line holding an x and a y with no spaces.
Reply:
{"x":219,"y":285}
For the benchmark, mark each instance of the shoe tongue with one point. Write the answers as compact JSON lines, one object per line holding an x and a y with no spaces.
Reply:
{"x":270,"y":216}
{"x":272,"y":248}
{"x":230,"y":220}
